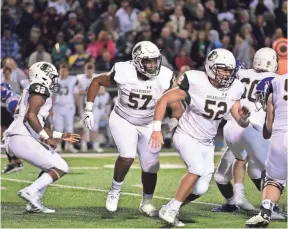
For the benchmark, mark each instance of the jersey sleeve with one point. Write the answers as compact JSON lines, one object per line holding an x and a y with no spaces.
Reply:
{"x":183,"y":82}
{"x":39,"y":89}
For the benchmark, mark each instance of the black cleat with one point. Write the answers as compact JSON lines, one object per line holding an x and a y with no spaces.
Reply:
{"x":10,"y":168}
{"x":225,"y":208}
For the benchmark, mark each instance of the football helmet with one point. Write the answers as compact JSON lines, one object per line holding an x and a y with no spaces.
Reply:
{"x":265,"y":60}
{"x":45,"y":74}
{"x":220,"y":67}
{"x":146,"y":58}
{"x":263,"y":90}
{"x":6,"y":91}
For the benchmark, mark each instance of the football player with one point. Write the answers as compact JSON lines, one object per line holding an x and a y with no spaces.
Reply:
{"x":275,"y":94}
{"x":243,"y":141}
{"x":64,"y":105}
{"x":10,"y":99}
{"x":28,"y":139}
{"x":141,"y":82}
{"x":84,"y":81}
{"x":210,"y":96}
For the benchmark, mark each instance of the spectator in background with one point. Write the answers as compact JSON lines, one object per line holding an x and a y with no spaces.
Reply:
{"x":168,"y":44}
{"x":156,"y":24}
{"x":246,"y":30}
{"x":6,"y":77}
{"x":105,"y":63}
{"x":110,"y":21}
{"x":146,"y":35}
{"x":15,"y":10}
{"x":268,"y":42}
{"x":127,"y":16}
{"x":211,"y":13}
{"x":278,"y":34}
{"x":6,"y":19}
{"x":178,"y":20}
{"x":90,"y":12}
{"x":261,"y":30}
{"x":244,"y":18}
{"x":92,"y":45}
{"x":183,"y":59}
{"x":199,"y":49}
{"x":192,"y":33}
{"x":199,"y":17}
{"x":31,"y":44}
{"x":242,"y":50}
{"x":26,"y":21}
{"x":78,"y":60}
{"x":225,"y":30}
{"x":39,"y":55}
{"x":213,"y":38}
{"x":71,"y":5}
{"x":104,"y":43}
{"x":59,"y":6}
{"x":9,"y":44}
{"x":226,"y":42}
{"x":71,"y":27}
{"x":281,"y":17}
{"x":141,"y":24}
{"x":160,"y":44}
{"x":182,"y":41}
{"x":60,"y":51}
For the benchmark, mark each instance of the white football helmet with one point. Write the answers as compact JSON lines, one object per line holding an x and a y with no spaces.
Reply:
{"x":46,"y":74}
{"x":217,"y":62}
{"x":265,"y":60}
{"x":147,"y":58}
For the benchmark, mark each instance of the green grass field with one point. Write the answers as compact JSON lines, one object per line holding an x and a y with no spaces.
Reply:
{"x":79,"y":199}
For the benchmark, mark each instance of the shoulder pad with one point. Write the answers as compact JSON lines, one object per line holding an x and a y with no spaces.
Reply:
{"x":183,"y":82}
{"x":125,"y":72}
{"x":166,"y":77}
{"x":39,"y":89}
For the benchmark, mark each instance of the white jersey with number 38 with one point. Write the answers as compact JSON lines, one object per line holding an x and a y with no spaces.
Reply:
{"x":137,"y":98}
{"x":206,"y":105}
{"x":21,"y":127}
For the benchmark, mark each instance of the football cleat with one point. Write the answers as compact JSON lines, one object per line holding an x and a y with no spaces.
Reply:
{"x":10,"y":168}
{"x":148,"y":209}
{"x":225,"y":208}
{"x":244,"y":204}
{"x":277,"y":215}
{"x":258,"y":221}
{"x":29,"y":208}
{"x":168,"y":214}
{"x":33,"y":199}
{"x":177,"y":222}
{"x":112,"y":200}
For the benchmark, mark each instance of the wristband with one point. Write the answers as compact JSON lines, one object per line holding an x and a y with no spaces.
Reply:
{"x":57,"y":134}
{"x":89,"y":106}
{"x":44,"y":134}
{"x":157,"y":125}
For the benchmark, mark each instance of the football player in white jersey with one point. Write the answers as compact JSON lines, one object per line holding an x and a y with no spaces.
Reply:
{"x":243,"y":141}
{"x":64,"y":107}
{"x":141,"y":82}
{"x":275,"y":94}
{"x":83,"y":84}
{"x":28,"y":139}
{"x":210,"y":96}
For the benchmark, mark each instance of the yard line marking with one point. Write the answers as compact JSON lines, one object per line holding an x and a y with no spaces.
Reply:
{"x":115,"y":154}
{"x":162,"y":166}
{"x":101,"y":190}
{"x":84,"y":168}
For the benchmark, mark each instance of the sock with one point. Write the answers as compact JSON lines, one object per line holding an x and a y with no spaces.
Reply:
{"x":116,"y":185}
{"x":239,"y":189}
{"x":147,"y":198}
{"x":230,"y":201}
{"x":175,"y":204}
{"x":268,"y":204}
{"x":44,"y":180}
{"x":226,"y":190}
{"x":42,"y":191}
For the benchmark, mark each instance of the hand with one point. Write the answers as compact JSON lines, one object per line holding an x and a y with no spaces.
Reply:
{"x":244,"y":112}
{"x":70,"y":137}
{"x":88,"y":119}
{"x":156,"y":139}
{"x":50,"y":141}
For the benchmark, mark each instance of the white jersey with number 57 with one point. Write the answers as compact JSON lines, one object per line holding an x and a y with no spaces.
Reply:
{"x":137,"y":98}
{"x":206,"y":105}
{"x":280,"y":102}
{"x":20,"y":126}
{"x":250,"y":78}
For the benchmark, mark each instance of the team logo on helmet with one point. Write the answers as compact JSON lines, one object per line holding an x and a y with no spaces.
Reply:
{"x":213,"y":55}
{"x":46,"y":68}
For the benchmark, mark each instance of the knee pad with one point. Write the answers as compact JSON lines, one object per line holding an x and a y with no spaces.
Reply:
{"x":221,"y":179}
{"x":276,"y":184}
{"x":254,"y":172}
{"x":197,"y":171}
{"x":154,"y":168}
{"x":63,"y":166}
{"x":200,"y":188}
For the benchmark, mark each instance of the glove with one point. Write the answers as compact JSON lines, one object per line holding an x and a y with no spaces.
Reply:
{"x":170,"y":126}
{"x":88,"y":116}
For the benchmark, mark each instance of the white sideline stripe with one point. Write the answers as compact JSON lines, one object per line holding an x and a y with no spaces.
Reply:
{"x":104,"y":155}
{"x":100,"y":190}
{"x":84,"y":168}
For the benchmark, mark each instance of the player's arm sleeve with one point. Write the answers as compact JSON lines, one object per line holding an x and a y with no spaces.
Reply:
{"x":112,"y":75}
{"x":184,"y":85}
{"x":39,"y":89}
{"x":12,"y":106}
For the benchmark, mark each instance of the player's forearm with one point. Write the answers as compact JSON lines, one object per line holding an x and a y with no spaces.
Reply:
{"x":34,"y":122}
{"x":159,"y":114}
{"x":266,"y":133}
{"x":93,"y":90}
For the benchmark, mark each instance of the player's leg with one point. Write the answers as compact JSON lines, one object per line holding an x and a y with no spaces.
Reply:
{"x":126,"y":137}
{"x":69,"y":122}
{"x":149,"y":160}
{"x":94,"y":132}
{"x":196,"y":166}
{"x":254,"y":172}
{"x":41,"y":156}
{"x":223,"y":177}
{"x":275,"y":180}
{"x":59,"y":122}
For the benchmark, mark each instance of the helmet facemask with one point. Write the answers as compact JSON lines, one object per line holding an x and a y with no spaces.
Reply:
{"x":261,"y":98}
{"x":224,"y":76}
{"x":151,"y":66}
{"x":54,"y":86}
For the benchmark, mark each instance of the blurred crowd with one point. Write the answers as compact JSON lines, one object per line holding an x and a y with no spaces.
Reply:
{"x":103,"y":32}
